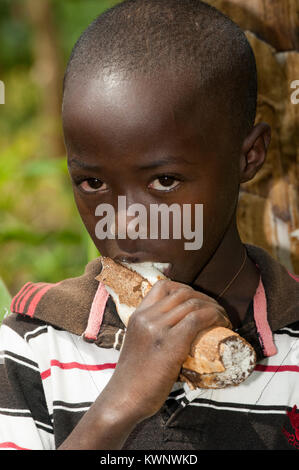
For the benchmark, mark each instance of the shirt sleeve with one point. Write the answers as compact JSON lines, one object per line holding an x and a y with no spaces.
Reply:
{"x":25,"y":422}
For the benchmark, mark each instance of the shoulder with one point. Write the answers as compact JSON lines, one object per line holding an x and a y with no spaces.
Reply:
{"x":64,"y":305}
{"x":22,"y":333}
{"x":22,"y":325}
{"x":16,"y":331}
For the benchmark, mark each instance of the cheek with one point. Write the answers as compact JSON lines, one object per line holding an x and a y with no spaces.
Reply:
{"x":217,"y":191}
{"x":87,"y":213}
{"x":219,"y":209}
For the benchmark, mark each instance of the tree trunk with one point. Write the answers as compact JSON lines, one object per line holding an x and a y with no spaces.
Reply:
{"x":274,"y":21}
{"x":47,"y":71}
{"x":268,"y":213}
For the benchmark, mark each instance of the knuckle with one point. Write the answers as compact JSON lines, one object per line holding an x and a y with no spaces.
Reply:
{"x":193,"y":302}
{"x":202,"y":317}
{"x":143,"y":324}
{"x":223,"y":317}
{"x":138,"y":319}
{"x":216,"y":315}
{"x":151,"y":329}
{"x":154,"y":334}
{"x":212,"y":311}
{"x":180,"y":292}
{"x":194,"y":319}
{"x":163,"y":282}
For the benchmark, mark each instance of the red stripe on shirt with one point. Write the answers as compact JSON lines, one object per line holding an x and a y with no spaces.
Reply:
{"x":11,"y":445}
{"x":36,"y":299}
{"x":294,"y":276}
{"x":77,"y":365}
{"x":30,"y":291}
{"x":17,"y":298}
{"x":44,"y":375}
{"x":263,"y":368}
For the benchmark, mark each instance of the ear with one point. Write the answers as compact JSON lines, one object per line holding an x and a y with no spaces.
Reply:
{"x":254,"y":151}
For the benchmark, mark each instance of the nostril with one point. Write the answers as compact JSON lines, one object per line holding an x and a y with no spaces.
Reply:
{"x":126,"y":259}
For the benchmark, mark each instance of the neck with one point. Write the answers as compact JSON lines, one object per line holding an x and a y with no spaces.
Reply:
{"x":220,"y":270}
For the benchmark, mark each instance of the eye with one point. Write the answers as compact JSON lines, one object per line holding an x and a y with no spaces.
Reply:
{"x":164,"y":183}
{"x":92,"y":185}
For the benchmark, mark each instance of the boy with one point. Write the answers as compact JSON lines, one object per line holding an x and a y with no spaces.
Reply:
{"x":159,"y":106}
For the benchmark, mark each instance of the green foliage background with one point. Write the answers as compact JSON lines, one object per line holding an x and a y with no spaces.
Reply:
{"x":42,"y":237}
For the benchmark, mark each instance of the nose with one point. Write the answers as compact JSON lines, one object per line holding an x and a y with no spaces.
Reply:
{"x":133,"y":258}
{"x":130,"y":230}
{"x":130,"y":224}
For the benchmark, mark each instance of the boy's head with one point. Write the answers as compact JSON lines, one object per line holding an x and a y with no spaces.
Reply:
{"x":159,"y":106}
{"x":187,"y":38}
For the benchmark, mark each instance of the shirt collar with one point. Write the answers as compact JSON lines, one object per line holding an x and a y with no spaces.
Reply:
{"x":81,"y":306}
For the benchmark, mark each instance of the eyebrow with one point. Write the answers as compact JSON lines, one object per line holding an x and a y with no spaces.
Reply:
{"x":73,"y":162}
{"x":164,"y":161}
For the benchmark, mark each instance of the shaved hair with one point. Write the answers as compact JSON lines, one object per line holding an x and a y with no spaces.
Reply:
{"x":184,"y":37}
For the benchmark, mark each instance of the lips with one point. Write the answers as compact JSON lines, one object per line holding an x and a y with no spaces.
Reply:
{"x":131,"y":260}
{"x":127,"y":259}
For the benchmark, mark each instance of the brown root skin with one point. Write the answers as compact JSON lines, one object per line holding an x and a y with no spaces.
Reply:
{"x":214,"y":380}
{"x":195,"y":380}
{"x":125,"y":282}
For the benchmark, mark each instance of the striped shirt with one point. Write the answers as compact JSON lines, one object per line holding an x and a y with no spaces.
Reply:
{"x":49,"y":377}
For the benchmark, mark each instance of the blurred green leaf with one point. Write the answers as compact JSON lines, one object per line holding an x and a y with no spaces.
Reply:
{"x":42,"y":237}
{"x":23,"y":234}
{"x":5,"y":300}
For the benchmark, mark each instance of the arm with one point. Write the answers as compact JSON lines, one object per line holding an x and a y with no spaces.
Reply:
{"x":104,"y":426}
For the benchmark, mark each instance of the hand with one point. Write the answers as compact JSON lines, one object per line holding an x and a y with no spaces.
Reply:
{"x":158,"y":339}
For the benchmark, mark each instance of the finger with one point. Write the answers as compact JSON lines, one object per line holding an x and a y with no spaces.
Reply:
{"x":161,"y":289}
{"x":173,"y":300}
{"x":166,"y":288}
{"x":210,"y":313}
{"x":194,"y":322}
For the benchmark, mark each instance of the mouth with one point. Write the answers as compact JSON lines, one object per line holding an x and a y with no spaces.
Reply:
{"x":165,"y":268}
{"x":126,"y":260}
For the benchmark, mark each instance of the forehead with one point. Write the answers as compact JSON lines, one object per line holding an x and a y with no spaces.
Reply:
{"x":139,"y":111}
